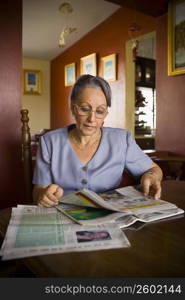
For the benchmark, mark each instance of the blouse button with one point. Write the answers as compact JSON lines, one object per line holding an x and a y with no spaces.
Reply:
{"x":84,"y":168}
{"x":84,"y":181}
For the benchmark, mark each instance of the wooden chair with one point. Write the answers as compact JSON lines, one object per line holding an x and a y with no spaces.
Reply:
{"x":172,"y":164}
{"x":29,"y":148}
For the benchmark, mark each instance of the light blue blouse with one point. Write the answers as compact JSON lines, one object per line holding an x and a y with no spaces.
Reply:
{"x":57,"y":162}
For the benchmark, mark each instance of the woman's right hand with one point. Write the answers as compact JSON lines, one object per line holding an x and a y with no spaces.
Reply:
{"x":47,"y":196}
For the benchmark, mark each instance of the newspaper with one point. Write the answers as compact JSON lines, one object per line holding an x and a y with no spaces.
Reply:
{"x":122,"y":206}
{"x":36,"y":231}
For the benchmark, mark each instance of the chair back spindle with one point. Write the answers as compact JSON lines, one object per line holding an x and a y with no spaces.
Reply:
{"x":26,"y":155}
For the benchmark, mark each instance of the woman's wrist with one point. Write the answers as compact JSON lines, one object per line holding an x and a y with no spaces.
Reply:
{"x":37,"y":192}
{"x":156,"y":172}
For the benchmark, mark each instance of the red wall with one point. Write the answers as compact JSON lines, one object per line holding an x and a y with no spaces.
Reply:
{"x":170,"y":135}
{"x":110,"y":37}
{"x":107,"y":38}
{"x":10,"y":102}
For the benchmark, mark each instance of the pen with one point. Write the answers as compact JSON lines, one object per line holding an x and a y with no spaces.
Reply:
{"x":67,"y":215}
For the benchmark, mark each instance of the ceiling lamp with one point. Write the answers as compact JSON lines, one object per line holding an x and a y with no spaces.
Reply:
{"x":133,"y":30}
{"x":65,"y":9}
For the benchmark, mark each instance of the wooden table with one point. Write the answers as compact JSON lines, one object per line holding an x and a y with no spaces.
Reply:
{"x":157,"y":249}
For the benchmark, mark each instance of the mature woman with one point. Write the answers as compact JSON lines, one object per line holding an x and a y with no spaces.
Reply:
{"x":88,"y":155}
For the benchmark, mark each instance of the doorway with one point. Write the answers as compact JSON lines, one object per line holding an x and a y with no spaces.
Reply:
{"x":140,"y":91}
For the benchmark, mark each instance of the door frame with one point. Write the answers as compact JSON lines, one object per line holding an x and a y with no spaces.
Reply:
{"x":130,"y":83}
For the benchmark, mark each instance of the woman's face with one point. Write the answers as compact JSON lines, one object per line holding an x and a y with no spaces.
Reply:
{"x":90,"y":110}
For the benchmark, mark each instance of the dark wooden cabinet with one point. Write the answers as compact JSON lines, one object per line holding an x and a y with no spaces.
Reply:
{"x":146,"y":143}
{"x":145,"y":72}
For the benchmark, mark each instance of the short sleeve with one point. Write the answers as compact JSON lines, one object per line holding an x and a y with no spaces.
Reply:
{"x":137,"y":162}
{"x":42,"y":171}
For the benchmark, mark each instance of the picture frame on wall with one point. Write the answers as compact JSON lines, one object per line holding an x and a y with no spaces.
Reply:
{"x":32,"y":82}
{"x":88,"y":64}
{"x":108,"y":66}
{"x":70,"y":74}
{"x":176,"y":37}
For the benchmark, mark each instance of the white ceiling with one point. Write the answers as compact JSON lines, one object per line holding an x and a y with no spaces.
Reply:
{"x":43,"y":23}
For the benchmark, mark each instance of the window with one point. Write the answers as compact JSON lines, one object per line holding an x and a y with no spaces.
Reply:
{"x":145,"y":100}
{"x":145,"y":111}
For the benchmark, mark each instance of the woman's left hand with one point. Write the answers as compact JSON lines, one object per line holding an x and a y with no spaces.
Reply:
{"x":151,"y":182}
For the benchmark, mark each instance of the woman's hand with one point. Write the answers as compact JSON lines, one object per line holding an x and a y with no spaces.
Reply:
{"x":151,"y":182}
{"x":47,"y":196}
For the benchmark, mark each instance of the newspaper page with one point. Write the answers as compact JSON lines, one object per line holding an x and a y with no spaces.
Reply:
{"x":128,"y":201}
{"x":89,"y":216}
{"x":87,"y":198}
{"x":144,"y":209}
{"x":37,"y":231}
{"x":128,"y":198}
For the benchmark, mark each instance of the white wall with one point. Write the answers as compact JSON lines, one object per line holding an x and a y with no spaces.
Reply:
{"x":38,"y":105}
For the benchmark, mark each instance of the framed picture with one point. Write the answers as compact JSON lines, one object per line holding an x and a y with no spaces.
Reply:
{"x":70,"y":74}
{"x":176,"y":37}
{"x":88,"y":64}
{"x":108,"y":64}
{"x":32,"y":82}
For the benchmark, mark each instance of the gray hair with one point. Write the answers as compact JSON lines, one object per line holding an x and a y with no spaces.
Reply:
{"x":89,"y":81}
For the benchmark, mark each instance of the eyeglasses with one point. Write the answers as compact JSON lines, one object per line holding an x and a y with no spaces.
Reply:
{"x":85,"y":110}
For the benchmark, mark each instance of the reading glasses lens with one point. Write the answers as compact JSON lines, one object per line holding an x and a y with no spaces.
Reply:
{"x":85,"y":111}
